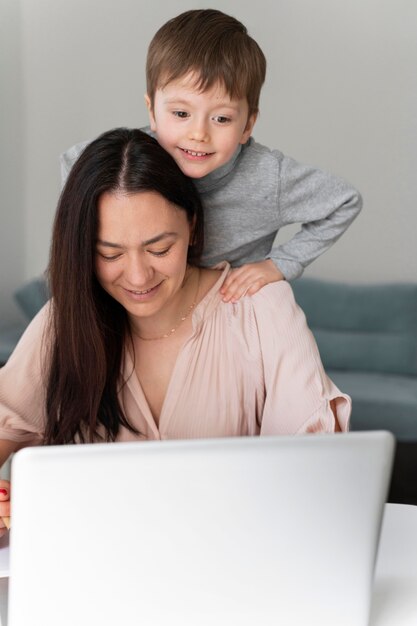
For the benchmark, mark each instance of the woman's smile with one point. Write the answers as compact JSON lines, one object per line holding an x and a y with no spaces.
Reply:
{"x":143,"y":295}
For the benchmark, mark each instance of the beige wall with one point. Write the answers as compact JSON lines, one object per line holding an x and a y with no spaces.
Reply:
{"x":340,"y":93}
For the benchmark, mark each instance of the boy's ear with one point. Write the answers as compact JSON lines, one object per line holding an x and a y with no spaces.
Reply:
{"x":248,"y":128}
{"x":152,"y":121}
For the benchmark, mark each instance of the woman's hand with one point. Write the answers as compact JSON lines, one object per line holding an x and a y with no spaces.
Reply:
{"x":4,"y":504}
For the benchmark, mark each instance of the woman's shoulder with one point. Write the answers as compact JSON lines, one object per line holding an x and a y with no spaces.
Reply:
{"x":273,"y":304}
{"x":208,"y":280}
{"x":275,"y":294}
{"x":277,"y":311}
{"x":35,"y":338}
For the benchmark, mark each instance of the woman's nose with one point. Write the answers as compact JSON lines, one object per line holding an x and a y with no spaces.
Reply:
{"x":138,"y":272}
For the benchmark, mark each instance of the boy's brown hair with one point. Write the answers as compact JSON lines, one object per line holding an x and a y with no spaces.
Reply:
{"x":215,"y":46}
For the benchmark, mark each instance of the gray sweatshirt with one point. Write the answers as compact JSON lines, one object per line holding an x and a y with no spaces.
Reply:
{"x":248,"y":200}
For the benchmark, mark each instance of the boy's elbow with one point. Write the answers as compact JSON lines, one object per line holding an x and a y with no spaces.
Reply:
{"x":354,"y":204}
{"x":358,"y":201}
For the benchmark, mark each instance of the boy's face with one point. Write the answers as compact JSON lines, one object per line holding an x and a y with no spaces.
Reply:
{"x":200,"y":130}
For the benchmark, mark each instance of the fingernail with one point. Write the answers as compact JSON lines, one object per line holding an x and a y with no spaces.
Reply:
{"x":4,"y":492}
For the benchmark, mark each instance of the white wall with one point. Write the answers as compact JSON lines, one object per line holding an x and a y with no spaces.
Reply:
{"x":340,"y":93}
{"x":12,"y":209}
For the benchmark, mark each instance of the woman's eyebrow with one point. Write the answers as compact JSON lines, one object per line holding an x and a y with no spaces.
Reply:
{"x":159,"y":237}
{"x":109,"y":244}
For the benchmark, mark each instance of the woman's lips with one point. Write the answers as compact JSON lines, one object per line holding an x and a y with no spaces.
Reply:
{"x":142,"y":295}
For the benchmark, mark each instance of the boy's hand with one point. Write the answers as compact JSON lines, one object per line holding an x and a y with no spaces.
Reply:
{"x":248,"y":279}
{"x":4,"y":504}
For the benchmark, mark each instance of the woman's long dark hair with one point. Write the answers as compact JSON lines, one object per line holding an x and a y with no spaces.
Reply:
{"x":88,"y":328}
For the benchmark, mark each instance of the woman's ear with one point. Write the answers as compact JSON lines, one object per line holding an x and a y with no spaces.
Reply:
{"x":152,"y":121}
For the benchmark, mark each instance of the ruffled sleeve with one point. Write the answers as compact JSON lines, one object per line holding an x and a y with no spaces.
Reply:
{"x":299,"y":396}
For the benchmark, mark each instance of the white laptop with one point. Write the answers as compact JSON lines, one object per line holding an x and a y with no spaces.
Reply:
{"x":225,"y":532}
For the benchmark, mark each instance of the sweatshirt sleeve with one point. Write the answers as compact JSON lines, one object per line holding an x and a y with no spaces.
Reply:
{"x":22,"y":388}
{"x":299,"y":396}
{"x":323,"y":204}
{"x":68,"y":158}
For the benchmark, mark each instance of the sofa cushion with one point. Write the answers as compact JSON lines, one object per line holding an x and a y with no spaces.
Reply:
{"x":362,"y":327}
{"x":381,"y":401}
{"x":9,"y":336}
{"x":32,"y":296}
{"x":343,"y":306}
{"x":392,"y":353}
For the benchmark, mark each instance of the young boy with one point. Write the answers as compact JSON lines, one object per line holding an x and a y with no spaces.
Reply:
{"x":204,"y":77}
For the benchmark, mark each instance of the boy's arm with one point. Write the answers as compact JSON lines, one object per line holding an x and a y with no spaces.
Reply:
{"x":323,"y":204}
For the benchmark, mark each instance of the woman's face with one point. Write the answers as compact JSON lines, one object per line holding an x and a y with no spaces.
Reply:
{"x":141,"y":251}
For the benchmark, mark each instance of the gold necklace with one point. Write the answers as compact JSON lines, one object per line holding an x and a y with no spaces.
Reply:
{"x":182,"y":319}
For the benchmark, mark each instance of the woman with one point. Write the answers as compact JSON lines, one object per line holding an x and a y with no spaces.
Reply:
{"x":136,"y":342}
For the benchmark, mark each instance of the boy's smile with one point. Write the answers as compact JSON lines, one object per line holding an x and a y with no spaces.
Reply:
{"x":199,"y":129}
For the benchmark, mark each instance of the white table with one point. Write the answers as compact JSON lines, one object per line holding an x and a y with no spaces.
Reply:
{"x":395,"y":588}
{"x":394,"y":600}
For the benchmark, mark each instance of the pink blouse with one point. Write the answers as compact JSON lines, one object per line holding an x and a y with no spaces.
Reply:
{"x":250,"y":368}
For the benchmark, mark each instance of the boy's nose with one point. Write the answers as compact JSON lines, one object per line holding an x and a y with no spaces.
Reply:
{"x":199,"y":132}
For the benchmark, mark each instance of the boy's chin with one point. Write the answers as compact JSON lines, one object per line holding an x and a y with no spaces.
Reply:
{"x":198,"y":176}
{"x":197,"y":170}
{"x":195,"y":173}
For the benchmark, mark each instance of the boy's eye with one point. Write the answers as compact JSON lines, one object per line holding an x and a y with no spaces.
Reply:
{"x":181,"y":114}
{"x":222,"y":119}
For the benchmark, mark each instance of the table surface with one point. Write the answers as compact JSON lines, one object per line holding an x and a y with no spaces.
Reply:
{"x":394,"y":601}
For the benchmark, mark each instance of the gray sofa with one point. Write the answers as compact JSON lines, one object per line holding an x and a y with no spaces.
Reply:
{"x":30,"y":298}
{"x":367,"y":336}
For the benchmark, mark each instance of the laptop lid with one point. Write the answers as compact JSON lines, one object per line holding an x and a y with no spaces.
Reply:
{"x":242,"y":531}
